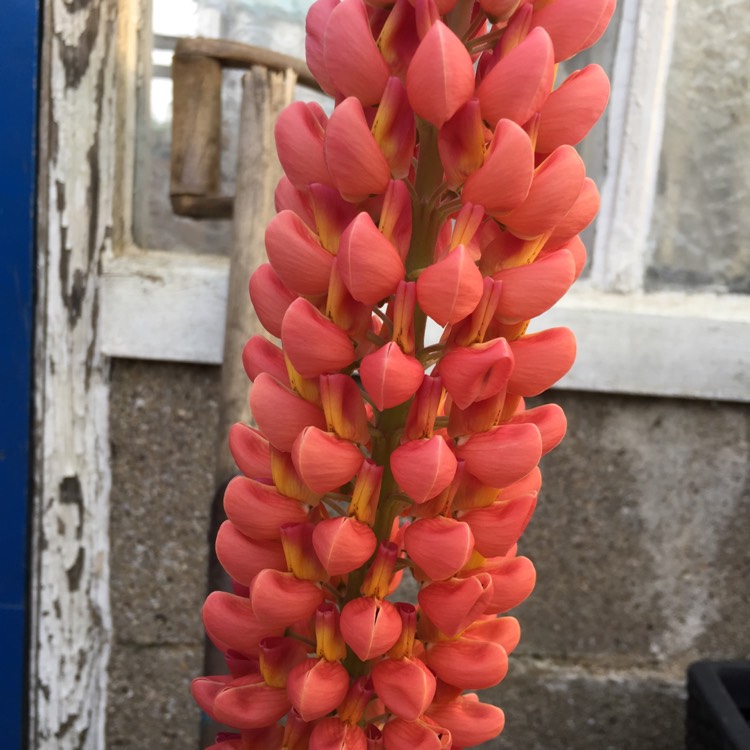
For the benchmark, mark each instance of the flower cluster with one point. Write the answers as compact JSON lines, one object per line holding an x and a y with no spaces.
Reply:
{"x":444,"y":187}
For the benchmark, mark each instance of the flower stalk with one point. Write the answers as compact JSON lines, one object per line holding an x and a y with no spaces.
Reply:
{"x":443,"y":193}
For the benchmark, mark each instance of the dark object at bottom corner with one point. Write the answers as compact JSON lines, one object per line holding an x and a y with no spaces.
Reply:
{"x":718,"y":709}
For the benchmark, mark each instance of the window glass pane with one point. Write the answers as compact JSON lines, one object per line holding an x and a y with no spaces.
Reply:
{"x":701,"y":224}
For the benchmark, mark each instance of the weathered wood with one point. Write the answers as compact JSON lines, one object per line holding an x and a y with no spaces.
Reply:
{"x":245,"y":56}
{"x":196,"y":130}
{"x":71,"y":626}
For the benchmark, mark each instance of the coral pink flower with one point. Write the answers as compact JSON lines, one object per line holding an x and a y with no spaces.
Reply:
{"x":394,"y":128}
{"x":572,"y":109}
{"x":469,"y":721}
{"x":513,"y":581}
{"x":369,"y":264}
{"x":450,"y":289}
{"x":205,"y":689}
{"x":461,"y":143}
{"x":323,"y":460}
{"x":556,"y":185}
{"x":315,"y":27}
{"x":415,"y":735}
{"x":356,"y":163}
{"x":468,"y":663}
{"x":280,"y":414}
{"x":249,"y":703}
{"x":245,"y":500}
{"x":581,"y":213}
{"x":549,"y":419}
{"x":260,"y":355}
{"x":302,"y":562}
{"x":353,"y":62}
{"x":405,"y":686}
{"x":334,"y":734}
{"x":498,"y":10}
{"x":532,"y":289}
{"x":299,"y":135}
{"x":296,"y":254}
{"x":270,"y":298}
{"x":250,"y":451}
{"x":454,"y":604}
{"x":439,"y":546}
{"x":278,"y":656}
{"x":440,"y":79}
{"x":503,"y":181}
{"x":541,"y":359}
{"x":518,"y":85}
{"x":574,"y":25}
{"x":502,"y":455}
{"x":370,"y":626}
{"x":343,"y":544}
{"x":281,"y":599}
{"x":243,"y":558}
{"x":497,"y":527}
{"x":477,"y":372}
{"x":395,"y":217}
{"x":231,"y":623}
{"x":344,"y":408}
{"x":423,"y":468}
{"x":389,"y":376}
{"x":316,"y":687}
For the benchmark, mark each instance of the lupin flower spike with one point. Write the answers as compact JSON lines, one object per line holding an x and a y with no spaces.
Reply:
{"x":443,"y":191}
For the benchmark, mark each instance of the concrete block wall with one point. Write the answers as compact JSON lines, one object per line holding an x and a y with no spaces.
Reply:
{"x":639,"y":539}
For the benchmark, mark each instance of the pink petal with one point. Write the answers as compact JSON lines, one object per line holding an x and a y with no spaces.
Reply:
{"x":498,"y":527}
{"x":332,"y":215}
{"x":286,"y":196}
{"x":205,"y":689}
{"x":394,"y":128}
{"x":344,"y":407}
{"x":343,"y":544}
{"x":503,"y":181}
{"x":514,"y":579}
{"x":520,"y":82}
{"x":250,"y":451}
{"x":556,"y":185}
{"x":499,"y":10}
{"x":469,"y":722}
{"x":454,"y":604}
{"x":280,"y":414}
{"x":439,"y":546}
{"x":395,"y":218}
{"x":415,"y":735}
{"x":505,"y":631}
{"x":389,"y":376}
{"x":467,"y":663}
{"x":477,"y":372}
{"x":370,"y":265}
{"x":502,"y":455}
{"x":260,"y":355}
{"x":296,"y":255}
{"x":230,"y":623}
{"x":572,"y":109}
{"x":334,"y":734}
{"x":581,"y":214}
{"x":316,"y":687}
{"x":248,"y":703}
{"x":270,"y":298}
{"x":280,"y":599}
{"x":574,"y":25}
{"x":461,"y":143}
{"x":324,"y":461}
{"x":541,"y":359}
{"x":354,"y":159}
{"x":315,"y":27}
{"x":258,"y":510}
{"x":551,"y":422}
{"x":370,"y":626}
{"x":299,"y":144}
{"x":399,"y":38}
{"x":532,"y":289}
{"x":450,"y":289}
{"x":423,"y":468}
{"x":312,"y":342}
{"x":353,"y":60}
{"x":243,"y":558}
{"x":440,"y":78}
{"x":405,"y":686}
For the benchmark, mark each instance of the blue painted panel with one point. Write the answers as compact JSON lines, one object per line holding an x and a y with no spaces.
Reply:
{"x":19,"y":42}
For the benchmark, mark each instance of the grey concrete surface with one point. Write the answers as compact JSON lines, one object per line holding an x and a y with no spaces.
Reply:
{"x":163,"y":428}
